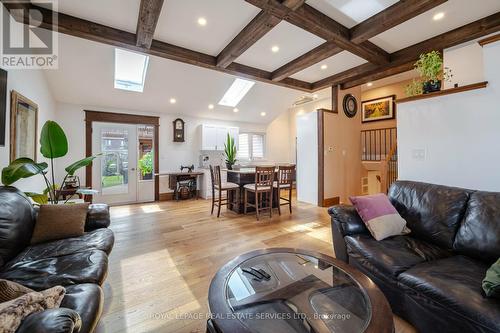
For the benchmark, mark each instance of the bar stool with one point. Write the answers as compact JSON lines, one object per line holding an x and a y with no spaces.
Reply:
{"x":219,"y":187}
{"x":264,"y":177}
{"x":284,"y":182}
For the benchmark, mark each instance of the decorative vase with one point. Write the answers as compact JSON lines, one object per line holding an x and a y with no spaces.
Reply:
{"x":229,"y":166}
{"x":431,"y":86}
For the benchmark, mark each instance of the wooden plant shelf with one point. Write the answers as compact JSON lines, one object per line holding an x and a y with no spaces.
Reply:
{"x":474,"y":86}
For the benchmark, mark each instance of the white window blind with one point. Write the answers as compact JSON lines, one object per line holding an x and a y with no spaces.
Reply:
{"x":257,"y":146}
{"x":243,"y":146}
{"x":251,"y":146}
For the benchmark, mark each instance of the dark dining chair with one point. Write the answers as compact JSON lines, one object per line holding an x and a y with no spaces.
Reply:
{"x":284,"y":183}
{"x":219,"y":187}
{"x":263,"y":189}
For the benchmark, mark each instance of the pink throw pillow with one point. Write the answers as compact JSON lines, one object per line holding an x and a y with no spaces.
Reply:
{"x":379,"y":216}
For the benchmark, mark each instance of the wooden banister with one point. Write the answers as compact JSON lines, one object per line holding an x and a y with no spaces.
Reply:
{"x":388,"y":169}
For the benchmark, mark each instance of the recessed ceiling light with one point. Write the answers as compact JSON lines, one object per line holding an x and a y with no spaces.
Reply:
{"x":324,"y":66}
{"x":235,"y":110}
{"x":211,"y":106}
{"x":236,"y":92}
{"x":173,"y":101}
{"x":301,"y":112}
{"x":438,"y":16}
{"x":315,"y":96}
{"x":275,"y":48}
{"x":369,"y":84}
{"x":262,"y":114}
{"x":202,"y":21}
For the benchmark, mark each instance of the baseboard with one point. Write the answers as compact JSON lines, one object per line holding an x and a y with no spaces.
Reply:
{"x":331,"y":202}
{"x":169,"y":196}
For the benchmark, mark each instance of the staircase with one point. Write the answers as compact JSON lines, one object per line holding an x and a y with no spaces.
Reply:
{"x":379,"y":153}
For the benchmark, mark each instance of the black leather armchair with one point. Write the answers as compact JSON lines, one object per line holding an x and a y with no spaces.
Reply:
{"x":79,"y":264}
{"x":431,"y":277}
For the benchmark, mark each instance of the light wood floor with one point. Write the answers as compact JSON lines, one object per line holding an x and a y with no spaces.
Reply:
{"x":166,"y":254}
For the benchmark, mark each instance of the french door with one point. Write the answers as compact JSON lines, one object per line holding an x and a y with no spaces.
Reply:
{"x":115,"y":173}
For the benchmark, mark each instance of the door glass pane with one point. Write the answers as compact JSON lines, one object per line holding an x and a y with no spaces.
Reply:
{"x":145,"y":163}
{"x":114,"y":165}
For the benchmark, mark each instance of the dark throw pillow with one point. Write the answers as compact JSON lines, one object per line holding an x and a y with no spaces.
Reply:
{"x":59,"y":221}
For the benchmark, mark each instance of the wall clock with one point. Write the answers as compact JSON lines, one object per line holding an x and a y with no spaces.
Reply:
{"x":350,"y":105}
{"x":178,"y":130}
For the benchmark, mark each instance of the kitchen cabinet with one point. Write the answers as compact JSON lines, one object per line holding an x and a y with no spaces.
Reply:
{"x":213,"y":137}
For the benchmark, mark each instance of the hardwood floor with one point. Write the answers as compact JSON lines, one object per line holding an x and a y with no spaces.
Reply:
{"x":166,"y":254}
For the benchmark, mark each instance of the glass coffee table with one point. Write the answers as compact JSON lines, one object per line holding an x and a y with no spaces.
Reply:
{"x":295,"y":291}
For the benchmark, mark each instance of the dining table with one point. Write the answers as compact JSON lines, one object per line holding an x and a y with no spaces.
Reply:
{"x":243,"y":176}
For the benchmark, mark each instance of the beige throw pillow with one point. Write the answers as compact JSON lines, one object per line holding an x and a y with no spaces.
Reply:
{"x":59,"y":221}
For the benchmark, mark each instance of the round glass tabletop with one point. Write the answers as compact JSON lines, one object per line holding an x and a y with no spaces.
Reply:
{"x":292,"y":292}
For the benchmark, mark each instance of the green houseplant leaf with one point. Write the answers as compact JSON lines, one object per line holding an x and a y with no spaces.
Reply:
{"x":39,"y":198}
{"x":21,"y":168}
{"x":53,"y":141}
{"x":71,"y":169}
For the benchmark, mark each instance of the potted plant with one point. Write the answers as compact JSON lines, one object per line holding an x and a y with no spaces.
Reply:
{"x":230,"y":152}
{"x":430,"y":68}
{"x":53,"y":144}
{"x":146,"y":165}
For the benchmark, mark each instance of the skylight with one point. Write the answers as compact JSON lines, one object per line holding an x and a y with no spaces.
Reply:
{"x":236,"y":92}
{"x":130,"y":70}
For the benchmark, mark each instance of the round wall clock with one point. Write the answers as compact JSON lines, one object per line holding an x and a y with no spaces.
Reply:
{"x":350,"y":105}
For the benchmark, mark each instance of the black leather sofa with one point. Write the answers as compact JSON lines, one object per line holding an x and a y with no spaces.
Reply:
{"x":79,"y":264}
{"x":431,"y":277}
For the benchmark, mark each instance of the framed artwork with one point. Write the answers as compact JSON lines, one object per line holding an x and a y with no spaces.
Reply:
{"x":3,"y":105}
{"x":23,"y":127}
{"x":378,"y":109}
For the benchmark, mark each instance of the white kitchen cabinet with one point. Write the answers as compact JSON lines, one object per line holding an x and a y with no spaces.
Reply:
{"x":208,"y":137}
{"x":214,"y":137}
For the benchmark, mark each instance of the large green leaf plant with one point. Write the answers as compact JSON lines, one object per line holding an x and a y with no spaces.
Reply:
{"x":53,"y":144}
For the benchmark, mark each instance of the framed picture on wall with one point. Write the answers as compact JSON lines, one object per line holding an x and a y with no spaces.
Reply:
{"x":23,"y":127}
{"x":378,"y":109}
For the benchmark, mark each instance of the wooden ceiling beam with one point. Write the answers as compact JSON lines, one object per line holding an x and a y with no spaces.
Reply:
{"x":390,"y":17}
{"x":253,"y":31}
{"x":149,"y":13}
{"x":403,"y":59}
{"x":81,"y":28}
{"x":322,"y":52}
{"x":319,"y":24}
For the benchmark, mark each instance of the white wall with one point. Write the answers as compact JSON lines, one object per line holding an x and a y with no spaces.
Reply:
{"x":172,"y":154}
{"x":453,"y":139}
{"x":278,"y":140}
{"x":466,"y":64}
{"x":31,"y":84}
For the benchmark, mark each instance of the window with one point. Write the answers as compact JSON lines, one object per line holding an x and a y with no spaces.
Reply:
{"x":251,"y":146}
{"x":130,"y":70}
{"x":236,"y":92}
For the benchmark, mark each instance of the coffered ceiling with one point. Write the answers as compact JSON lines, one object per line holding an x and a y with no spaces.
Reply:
{"x":317,"y":43}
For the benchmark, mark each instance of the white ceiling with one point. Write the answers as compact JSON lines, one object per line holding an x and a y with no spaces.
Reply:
{"x":86,"y":72}
{"x":225,"y":19}
{"x":291,"y":40}
{"x":457,"y":13}
{"x":350,"y":12}
{"x":119,"y":14}
{"x":335,"y":64}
